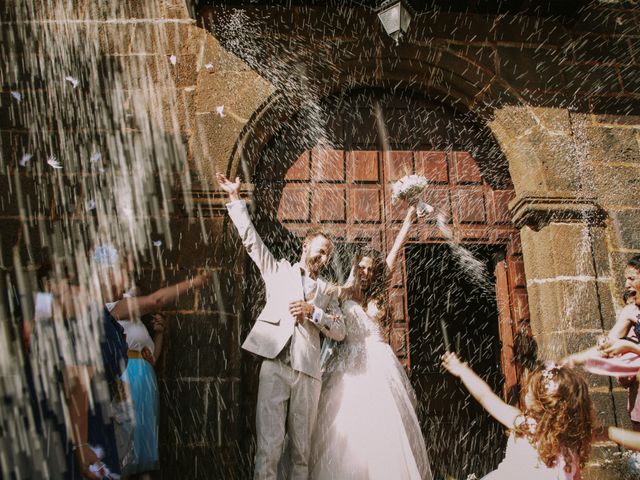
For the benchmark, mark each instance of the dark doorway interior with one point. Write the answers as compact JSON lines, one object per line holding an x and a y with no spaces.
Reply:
{"x":451,"y":299}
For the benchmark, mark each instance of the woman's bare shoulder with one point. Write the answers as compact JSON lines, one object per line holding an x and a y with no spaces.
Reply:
{"x":630,"y":312}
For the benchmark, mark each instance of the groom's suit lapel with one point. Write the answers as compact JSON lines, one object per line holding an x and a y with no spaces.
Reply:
{"x":296,"y":283}
{"x":321,"y":288}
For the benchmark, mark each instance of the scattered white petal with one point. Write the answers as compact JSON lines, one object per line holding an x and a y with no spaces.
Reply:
{"x":73,"y":81}
{"x":53,"y":161}
{"x":17,"y":95}
{"x":209,"y":66}
{"x":173,"y":59}
{"x":25,"y":159}
{"x":101,"y":170}
{"x":619,"y":21}
{"x":157,"y":243}
{"x":91,"y":205}
{"x":220,"y":111}
{"x":95,"y":157}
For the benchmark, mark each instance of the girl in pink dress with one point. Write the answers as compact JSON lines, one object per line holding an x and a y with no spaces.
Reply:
{"x":551,"y":439}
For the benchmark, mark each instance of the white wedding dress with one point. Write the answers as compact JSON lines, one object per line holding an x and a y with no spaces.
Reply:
{"x":366,"y":428}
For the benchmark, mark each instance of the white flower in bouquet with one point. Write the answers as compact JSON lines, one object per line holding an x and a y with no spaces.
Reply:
{"x":410,"y":189}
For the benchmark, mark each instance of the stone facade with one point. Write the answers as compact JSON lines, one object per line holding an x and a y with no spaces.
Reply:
{"x":558,"y":95}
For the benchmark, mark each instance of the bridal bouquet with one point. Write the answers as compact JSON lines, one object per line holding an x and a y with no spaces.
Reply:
{"x":410,"y":189}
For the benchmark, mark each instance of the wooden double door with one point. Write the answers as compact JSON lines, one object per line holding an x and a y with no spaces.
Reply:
{"x":460,"y":283}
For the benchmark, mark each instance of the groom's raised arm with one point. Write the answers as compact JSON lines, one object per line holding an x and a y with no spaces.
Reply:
{"x":239,"y":215}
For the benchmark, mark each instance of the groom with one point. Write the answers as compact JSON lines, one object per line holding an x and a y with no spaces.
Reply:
{"x":286,"y":334}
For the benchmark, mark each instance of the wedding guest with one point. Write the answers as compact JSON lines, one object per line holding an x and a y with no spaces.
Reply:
{"x":143,"y":352}
{"x":551,"y":438}
{"x":118,"y":312}
{"x":618,"y":353}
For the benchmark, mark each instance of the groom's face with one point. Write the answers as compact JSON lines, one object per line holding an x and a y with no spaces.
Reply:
{"x":316,"y":253}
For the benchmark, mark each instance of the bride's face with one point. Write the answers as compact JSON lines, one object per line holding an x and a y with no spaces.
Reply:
{"x":364,"y":272}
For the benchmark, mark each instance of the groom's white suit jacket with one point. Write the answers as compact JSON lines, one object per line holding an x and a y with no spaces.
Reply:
{"x":275,"y":325}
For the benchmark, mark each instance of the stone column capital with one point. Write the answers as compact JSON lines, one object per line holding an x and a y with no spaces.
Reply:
{"x":538,"y":209}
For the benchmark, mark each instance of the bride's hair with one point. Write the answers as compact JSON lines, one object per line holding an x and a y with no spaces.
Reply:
{"x":377,"y":289}
{"x":560,"y":419}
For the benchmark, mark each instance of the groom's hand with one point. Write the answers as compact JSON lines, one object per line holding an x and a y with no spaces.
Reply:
{"x":232,"y":188}
{"x":300,"y":310}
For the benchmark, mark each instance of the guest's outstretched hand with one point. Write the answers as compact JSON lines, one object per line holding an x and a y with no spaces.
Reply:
{"x":232,"y":188}
{"x":452,"y":364}
{"x":619,"y":347}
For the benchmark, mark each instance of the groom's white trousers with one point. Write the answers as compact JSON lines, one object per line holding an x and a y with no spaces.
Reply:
{"x":285,"y":397}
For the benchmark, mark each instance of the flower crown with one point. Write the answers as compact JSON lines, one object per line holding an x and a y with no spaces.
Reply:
{"x":548,"y":374}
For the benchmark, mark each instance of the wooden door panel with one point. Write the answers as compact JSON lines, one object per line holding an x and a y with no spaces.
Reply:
{"x":471,"y":208}
{"x":498,"y":206}
{"x":294,"y":205}
{"x":466,"y":169}
{"x":432,"y":165}
{"x":301,"y":168}
{"x":397,"y":164}
{"x":364,"y":204}
{"x":327,"y":165}
{"x":363,"y":166}
{"x":328,"y":204}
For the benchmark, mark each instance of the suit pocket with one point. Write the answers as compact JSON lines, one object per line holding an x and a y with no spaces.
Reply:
{"x":273,"y":321}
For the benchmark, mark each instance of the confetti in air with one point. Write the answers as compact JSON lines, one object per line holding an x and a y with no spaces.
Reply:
{"x":24,"y":160}
{"x":53,"y":162}
{"x":73,"y":81}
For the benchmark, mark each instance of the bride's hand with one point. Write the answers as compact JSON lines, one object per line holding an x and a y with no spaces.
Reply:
{"x":452,"y":364}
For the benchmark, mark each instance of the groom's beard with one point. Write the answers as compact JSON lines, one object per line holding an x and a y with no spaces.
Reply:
{"x":313,"y":264}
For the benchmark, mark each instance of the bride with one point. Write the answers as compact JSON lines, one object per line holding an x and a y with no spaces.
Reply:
{"x":367,"y":428}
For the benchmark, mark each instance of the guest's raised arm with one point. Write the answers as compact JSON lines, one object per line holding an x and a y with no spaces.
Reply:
{"x":481,"y":391}
{"x":626,"y":438}
{"x":137,"y":306}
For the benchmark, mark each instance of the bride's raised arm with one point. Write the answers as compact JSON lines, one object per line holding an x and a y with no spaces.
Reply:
{"x":402,"y":237}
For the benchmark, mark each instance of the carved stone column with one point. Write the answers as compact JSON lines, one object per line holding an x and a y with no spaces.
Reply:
{"x":566,"y":267}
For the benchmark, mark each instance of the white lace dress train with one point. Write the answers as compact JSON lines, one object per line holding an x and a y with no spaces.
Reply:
{"x":367,"y":428}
